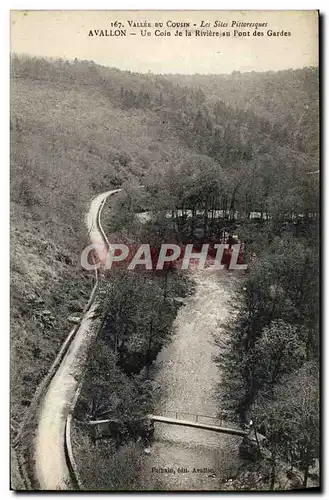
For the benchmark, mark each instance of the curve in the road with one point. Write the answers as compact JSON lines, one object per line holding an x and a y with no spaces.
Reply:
{"x":52,"y":469}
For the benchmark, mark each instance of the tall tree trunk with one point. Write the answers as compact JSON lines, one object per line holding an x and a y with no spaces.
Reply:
{"x":173,"y":218}
{"x":272,"y":474}
{"x":205,"y":218}
{"x":257,"y":440}
{"x":246,"y":207}
{"x":149,"y":350}
{"x":232,"y":205}
{"x":306,"y":469}
{"x":165,"y":285}
{"x":193,"y":220}
{"x":117,"y":322}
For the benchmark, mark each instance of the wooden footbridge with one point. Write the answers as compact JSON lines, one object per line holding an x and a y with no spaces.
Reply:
{"x":199,"y":425}
{"x":199,"y":421}
{"x":194,"y":420}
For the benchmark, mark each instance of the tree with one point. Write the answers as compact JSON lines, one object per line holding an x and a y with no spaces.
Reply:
{"x":251,"y":371}
{"x":290,"y":420}
{"x":107,"y":390}
{"x":138,"y":321}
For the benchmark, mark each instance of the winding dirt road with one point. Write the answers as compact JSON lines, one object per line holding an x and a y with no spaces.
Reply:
{"x":188,"y":378}
{"x":50,"y":461}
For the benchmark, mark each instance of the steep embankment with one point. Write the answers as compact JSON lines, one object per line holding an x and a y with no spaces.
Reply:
{"x":188,"y":379}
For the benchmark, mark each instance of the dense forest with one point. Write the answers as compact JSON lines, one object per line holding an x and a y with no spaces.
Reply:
{"x":285,"y":101}
{"x":244,"y":145}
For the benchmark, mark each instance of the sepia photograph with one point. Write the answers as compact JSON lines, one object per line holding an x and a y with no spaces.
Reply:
{"x":165,"y":251}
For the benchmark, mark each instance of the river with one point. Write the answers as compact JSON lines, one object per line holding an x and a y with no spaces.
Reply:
{"x":188,"y":378}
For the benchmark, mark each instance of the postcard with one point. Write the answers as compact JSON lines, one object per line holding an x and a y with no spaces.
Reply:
{"x":165,"y":221}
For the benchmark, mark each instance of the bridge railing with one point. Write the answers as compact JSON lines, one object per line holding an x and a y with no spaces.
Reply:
{"x":198,"y":418}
